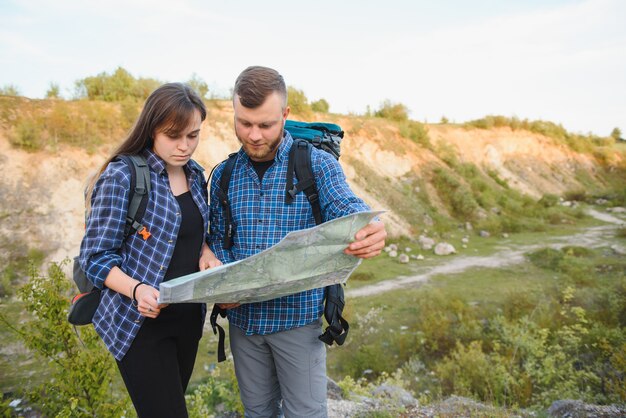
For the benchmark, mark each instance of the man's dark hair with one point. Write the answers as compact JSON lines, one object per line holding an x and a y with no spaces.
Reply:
{"x":255,"y":83}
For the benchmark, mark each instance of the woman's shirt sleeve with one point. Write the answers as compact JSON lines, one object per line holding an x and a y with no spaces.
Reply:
{"x":104,"y":231}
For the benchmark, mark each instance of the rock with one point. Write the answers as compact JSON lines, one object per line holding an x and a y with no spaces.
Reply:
{"x":407,"y":250}
{"x":465,"y":240}
{"x":393,"y":253}
{"x":567,"y":204}
{"x":505,"y":235}
{"x":393,"y":247}
{"x":468,"y":226}
{"x":484,"y":234}
{"x":618,"y":209}
{"x":425,"y":243}
{"x":420,"y":257}
{"x":398,"y":394}
{"x":464,"y":246}
{"x":428,"y":221}
{"x":577,"y":409}
{"x":387,"y":249}
{"x":443,"y":248}
{"x":481,"y":214}
{"x":403,"y":258}
{"x":495,"y":210}
{"x":333,"y":391}
{"x":618,"y":249}
{"x":601,"y":202}
{"x":413,"y":257}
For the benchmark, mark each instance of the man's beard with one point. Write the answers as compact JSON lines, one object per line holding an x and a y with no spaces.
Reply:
{"x":263,"y":153}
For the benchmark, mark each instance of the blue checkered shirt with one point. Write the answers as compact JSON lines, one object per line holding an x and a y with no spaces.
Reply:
{"x":103,"y":248}
{"x":262,"y":218}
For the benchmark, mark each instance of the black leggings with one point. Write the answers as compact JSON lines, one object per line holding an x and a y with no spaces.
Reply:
{"x":158,"y":365}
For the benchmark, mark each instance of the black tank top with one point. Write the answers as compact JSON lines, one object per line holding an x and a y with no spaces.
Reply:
{"x":186,"y":254}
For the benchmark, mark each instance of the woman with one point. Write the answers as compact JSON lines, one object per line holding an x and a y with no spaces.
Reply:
{"x":155,"y":345}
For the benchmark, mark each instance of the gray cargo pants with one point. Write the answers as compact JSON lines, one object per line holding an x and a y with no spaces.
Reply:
{"x":288,"y":365}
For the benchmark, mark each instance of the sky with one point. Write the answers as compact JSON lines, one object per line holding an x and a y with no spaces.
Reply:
{"x":557,"y":60}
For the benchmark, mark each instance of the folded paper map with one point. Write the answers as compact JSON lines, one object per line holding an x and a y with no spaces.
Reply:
{"x":302,"y":260}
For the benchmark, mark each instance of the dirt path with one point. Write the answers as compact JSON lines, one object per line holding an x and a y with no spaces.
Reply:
{"x":592,"y":237}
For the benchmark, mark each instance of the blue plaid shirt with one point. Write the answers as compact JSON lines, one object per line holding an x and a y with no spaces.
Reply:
{"x":261,"y":219}
{"x":103,"y":248}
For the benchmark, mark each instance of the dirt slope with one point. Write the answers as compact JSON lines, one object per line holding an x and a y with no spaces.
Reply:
{"x":41,"y":192}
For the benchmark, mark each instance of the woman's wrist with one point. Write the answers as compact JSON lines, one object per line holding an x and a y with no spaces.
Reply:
{"x":134,"y":293}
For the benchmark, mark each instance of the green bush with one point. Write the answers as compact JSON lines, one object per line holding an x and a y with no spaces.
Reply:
{"x":83,"y":377}
{"x":320,"y":105}
{"x":27,"y":134}
{"x":392,"y":111}
{"x":416,"y":132}
{"x":115,"y":87}
{"x":219,"y":390}
{"x":579,"y":195}
{"x":454,"y":194}
{"x":298,"y":101}
{"x":548,"y":200}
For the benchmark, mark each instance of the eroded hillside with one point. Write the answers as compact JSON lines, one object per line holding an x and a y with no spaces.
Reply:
{"x":419,"y":182}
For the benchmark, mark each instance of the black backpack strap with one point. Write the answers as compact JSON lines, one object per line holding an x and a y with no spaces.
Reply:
{"x":300,"y":164}
{"x":338,"y":327}
{"x":139,"y":193}
{"x":221,"y":354}
{"x":222,"y":193}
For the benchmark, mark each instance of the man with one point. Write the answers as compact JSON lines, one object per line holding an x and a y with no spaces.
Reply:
{"x":275,"y":344}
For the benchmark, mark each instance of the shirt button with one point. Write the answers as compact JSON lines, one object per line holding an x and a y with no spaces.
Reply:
{"x":177,"y":213}
{"x":161,"y":268}
{"x":170,"y":241}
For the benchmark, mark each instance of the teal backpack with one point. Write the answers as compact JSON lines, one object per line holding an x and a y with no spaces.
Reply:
{"x":324,"y":136}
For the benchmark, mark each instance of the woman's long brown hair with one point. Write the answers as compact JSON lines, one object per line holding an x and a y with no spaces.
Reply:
{"x":169,"y":109}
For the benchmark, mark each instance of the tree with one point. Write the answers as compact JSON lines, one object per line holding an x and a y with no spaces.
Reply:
{"x":199,"y":85}
{"x":320,"y":105}
{"x":616,"y":134}
{"x":115,"y":87}
{"x":9,"y":90}
{"x":298,"y":101}
{"x":53,"y":91}
{"x":392,"y":111}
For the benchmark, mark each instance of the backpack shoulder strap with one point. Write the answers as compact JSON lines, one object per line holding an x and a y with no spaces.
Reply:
{"x":300,"y":164}
{"x":222,"y":193}
{"x":139,"y":194}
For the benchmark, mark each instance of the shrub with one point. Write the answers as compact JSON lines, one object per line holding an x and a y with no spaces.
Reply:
{"x":115,"y":87}
{"x":9,"y":90}
{"x":392,"y":111}
{"x":416,"y":132}
{"x":199,"y":85}
{"x":53,"y":92}
{"x":579,"y":195}
{"x":468,"y":371}
{"x":27,"y":134}
{"x":452,"y":192}
{"x":298,"y":101}
{"x":548,"y":200}
{"x":320,"y":105}
{"x":82,"y":383}
{"x":546,"y":258}
{"x":219,"y":390}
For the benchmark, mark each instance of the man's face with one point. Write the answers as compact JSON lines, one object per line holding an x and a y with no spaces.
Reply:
{"x":260,"y":130}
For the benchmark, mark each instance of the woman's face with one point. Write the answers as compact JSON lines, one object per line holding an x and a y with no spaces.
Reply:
{"x":177,"y":150}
